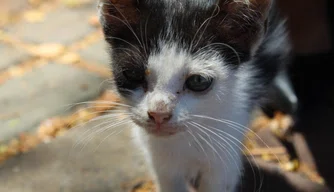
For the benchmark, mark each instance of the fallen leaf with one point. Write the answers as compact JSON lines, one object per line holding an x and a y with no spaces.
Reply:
{"x":34,"y":16}
{"x":72,"y":3}
{"x":16,"y":71}
{"x":94,"y":21}
{"x":69,"y":58}
{"x":47,"y":50}
{"x":290,"y":166}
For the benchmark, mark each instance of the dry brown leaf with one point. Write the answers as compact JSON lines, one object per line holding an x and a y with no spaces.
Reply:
{"x":47,"y":50}
{"x":311,"y":174}
{"x":69,"y":58}
{"x":73,"y":3}
{"x":94,"y":21}
{"x":49,"y":128}
{"x":34,"y":16}
{"x":16,"y":71}
{"x":145,"y":187}
{"x":290,"y":166}
{"x":106,"y":102}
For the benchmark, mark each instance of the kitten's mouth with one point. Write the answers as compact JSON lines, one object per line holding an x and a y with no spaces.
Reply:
{"x":163,"y":130}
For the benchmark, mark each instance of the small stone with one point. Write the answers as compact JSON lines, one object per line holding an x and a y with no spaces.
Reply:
{"x":63,"y":26}
{"x":16,"y":169}
{"x":11,"y":56}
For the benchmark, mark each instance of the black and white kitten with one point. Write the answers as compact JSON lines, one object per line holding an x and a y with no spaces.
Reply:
{"x":192,"y":70}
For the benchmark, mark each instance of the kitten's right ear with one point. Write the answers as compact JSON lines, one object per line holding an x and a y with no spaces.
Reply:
{"x":117,"y":15}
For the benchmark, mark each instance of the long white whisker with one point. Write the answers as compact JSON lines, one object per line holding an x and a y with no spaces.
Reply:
{"x":238,"y":127}
{"x":226,"y":138}
{"x":125,"y":22}
{"x":222,"y":44}
{"x":112,"y":103}
{"x":207,"y":22}
{"x":98,"y":125}
{"x":112,"y":133}
{"x":208,"y":143}
{"x":124,"y":42}
{"x":100,"y":130}
{"x":198,"y":143}
{"x":236,"y":144}
{"x":215,"y":134}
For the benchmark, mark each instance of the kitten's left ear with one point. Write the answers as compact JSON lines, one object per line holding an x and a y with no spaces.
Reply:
{"x":262,"y":7}
{"x":116,"y":15}
{"x":245,"y":22}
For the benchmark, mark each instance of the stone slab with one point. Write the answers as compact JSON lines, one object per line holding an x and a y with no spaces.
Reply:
{"x":62,"y":25}
{"x":45,"y":92}
{"x":97,"y":54}
{"x":11,"y":56}
{"x":59,"y":167}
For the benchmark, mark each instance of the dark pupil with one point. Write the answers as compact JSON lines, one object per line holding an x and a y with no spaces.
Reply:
{"x":198,"y":83}
{"x":134,"y":75}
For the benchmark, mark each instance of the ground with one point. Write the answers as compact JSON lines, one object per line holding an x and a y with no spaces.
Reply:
{"x":53,"y":56}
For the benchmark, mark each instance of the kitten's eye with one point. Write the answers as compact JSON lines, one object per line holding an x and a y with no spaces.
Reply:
{"x":134,"y":75}
{"x":198,"y":83}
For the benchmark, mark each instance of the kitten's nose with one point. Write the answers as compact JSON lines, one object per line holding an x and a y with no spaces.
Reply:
{"x":158,"y":117}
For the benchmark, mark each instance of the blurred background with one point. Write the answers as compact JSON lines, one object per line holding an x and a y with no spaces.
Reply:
{"x":54,"y":72}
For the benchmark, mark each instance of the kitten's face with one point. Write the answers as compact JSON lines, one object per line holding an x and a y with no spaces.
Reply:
{"x":173,"y":60}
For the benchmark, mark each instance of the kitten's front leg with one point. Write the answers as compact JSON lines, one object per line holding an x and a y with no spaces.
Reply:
{"x":167,"y":182}
{"x":218,"y":180}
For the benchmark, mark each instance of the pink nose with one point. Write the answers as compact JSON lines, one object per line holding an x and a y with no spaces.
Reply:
{"x":159,"y":118}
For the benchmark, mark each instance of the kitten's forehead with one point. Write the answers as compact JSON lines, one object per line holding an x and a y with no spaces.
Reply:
{"x":173,"y":64}
{"x":191,"y":3}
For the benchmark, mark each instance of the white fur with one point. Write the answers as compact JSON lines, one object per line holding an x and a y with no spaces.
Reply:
{"x":176,"y":159}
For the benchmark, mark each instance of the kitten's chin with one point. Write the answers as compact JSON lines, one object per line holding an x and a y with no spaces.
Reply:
{"x":164,"y":131}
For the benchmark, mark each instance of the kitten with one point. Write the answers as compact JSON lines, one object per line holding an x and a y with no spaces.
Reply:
{"x":192,"y":70}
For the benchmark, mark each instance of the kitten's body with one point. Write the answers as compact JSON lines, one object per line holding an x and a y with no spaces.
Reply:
{"x":157,"y":47}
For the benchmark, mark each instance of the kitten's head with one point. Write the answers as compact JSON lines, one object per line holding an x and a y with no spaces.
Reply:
{"x":173,"y":59}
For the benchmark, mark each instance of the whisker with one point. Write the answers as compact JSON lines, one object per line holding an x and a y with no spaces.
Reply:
{"x":208,"y":143}
{"x":96,"y":119}
{"x":99,"y":102}
{"x":238,"y":127}
{"x":220,"y":137}
{"x":145,"y":30}
{"x":124,"y":21}
{"x":222,"y":44}
{"x":207,"y":22}
{"x":95,"y":116}
{"x":198,"y":143}
{"x":112,"y":133}
{"x":239,"y":142}
{"x":101,"y":130}
{"x":225,"y":150}
{"x":223,"y":146}
{"x":125,"y":41}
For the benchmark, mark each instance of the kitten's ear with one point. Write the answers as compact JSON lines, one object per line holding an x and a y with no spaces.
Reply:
{"x":257,"y":9}
{"x":246,"y":21}
{"x":116,"y":15}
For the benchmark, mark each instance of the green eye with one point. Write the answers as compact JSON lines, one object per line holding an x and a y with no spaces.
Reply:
{"x":198,"y":83}
{"x":134,"y":75}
